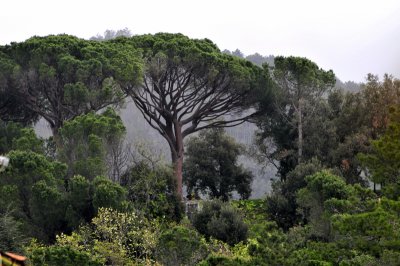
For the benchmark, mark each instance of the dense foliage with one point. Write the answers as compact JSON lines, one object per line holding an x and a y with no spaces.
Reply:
{"x":221,"y":221}
{"x":152,"y":191}
{"x":212,"y":166}
{"x":81,"y":197}
{"x":61,"y":77}
{"x":89,"y":144}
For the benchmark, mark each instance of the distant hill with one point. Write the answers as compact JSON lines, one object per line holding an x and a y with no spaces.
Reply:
{"x":259,"y":60}
{"x":112,"y":34}
{"x":256,"y":58}
{"x":350,"y":86}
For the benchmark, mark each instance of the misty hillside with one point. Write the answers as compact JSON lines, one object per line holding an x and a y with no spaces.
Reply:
{"x":259,"y":60}
{"x":348,"y":85}
{"x":256,"y":58}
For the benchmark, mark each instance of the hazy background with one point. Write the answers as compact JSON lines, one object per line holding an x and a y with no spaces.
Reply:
{"x":351,"y":37}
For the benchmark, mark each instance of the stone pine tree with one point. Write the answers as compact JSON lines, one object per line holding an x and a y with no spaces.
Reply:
{"x":189,"y":85}
{"x":61,"y":77}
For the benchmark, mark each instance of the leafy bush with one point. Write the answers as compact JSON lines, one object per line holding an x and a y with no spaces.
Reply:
{"x":11,"y":235}
{"x":152,"y":191}
{"x":318,"y":199}
{"x":281,"y":205}
{"x":221,"y":221}
{"x":58,"y":255}
{"x":108,"y":194}
{"x":218,"y":260}
{"x":180,"y":246}
{"x":115,"y":238}
{"x":369,"y":232}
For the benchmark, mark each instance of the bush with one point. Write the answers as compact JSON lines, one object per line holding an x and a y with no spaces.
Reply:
{"x":180,"y":246}
{"x":115,"y":238}
{"x":217,"y":260}
{"x":281,"y":205}
{"x":108,"y":194}
{"x":56,"y":255}
{"x":221,"y":221}
{"x":152,"y":191}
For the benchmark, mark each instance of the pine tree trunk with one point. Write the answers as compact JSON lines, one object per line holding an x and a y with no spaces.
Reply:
{"x":177,"y":162}
{"x":177,"y":159}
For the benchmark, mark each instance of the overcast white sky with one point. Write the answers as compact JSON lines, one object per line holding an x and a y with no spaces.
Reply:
{"x":352,"y":37}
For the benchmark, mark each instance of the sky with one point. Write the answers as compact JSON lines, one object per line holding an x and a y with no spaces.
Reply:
{"x":351,"y":37}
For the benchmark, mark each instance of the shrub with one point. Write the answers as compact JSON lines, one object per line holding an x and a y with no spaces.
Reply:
{"x":115,"y":238}
{"x":217,"y":260}
{"x":56,"y":255}
{"x":152,"y":191}
{"x":221,"y":221}
{"x":180,"y":246}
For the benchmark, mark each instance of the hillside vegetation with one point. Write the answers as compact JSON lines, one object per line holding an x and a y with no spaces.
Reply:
{"x":155,"y":146}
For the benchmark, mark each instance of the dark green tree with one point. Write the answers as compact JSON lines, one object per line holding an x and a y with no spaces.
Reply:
{"x":348,"y":117}
{"x":301,"y":82}
{"x":36,"y":187}
{"x":298,"y":101}
{"x":13,"y":136}
{"x":383,"y":163}
{"x":84,"y":198}
{"x":312,"y":201}
{"x":89,"y":143}
{"x":180,"y":246}
{"x":11,"y":106}
{"x":222,"y":221}
{"x":47,"y":209}
{"x":108,"y":194}
{"x":61,"y":77}
{"x":152,"y":191}
{"x":80,"y":201}
{"x":281,"y":203}
{"x":189,"y":85}
{"x":211,"y":166}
